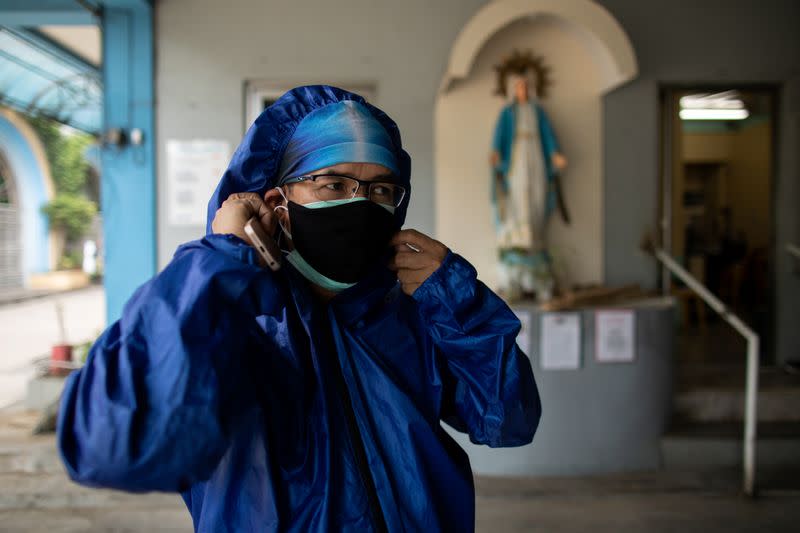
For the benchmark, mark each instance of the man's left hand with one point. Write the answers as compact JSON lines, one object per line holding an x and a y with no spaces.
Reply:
{"x":417,"y":256}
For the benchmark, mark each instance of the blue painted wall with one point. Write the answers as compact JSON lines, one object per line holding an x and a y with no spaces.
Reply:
{"x":128,"y":175}
{"x":43,"y":12}
{"x":32,"y":195}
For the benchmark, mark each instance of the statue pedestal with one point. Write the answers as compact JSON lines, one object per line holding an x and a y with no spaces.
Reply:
{"x":603,"y":417}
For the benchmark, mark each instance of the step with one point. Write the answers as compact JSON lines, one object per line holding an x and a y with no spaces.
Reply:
{"x":716,"y":393}
{"x":720,"y":445}
{"x":726,"y":404}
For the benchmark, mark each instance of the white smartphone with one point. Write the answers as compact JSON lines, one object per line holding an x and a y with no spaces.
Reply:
{"x":263,"y":243}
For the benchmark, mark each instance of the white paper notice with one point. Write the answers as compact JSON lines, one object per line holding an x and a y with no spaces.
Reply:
{"x":193,"y":170}
{"x":524,"y":336}
{"x":614,"y":335}
{"x":561,"y":341}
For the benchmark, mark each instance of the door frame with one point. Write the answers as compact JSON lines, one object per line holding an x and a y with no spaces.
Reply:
{"x":666,"y":93}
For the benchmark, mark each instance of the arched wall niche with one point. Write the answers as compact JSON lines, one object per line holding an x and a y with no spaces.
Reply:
{"x":589,"y":55}
{"x":614,"y":52}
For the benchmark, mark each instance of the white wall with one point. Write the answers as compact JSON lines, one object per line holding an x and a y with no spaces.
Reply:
{"x":465,"y":121}
{"x":206,"y":49}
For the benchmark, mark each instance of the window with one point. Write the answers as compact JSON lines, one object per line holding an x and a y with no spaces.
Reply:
{"x":260,"y":94}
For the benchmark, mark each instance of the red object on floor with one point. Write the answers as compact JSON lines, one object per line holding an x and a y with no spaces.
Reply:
{"x":60,"y":353}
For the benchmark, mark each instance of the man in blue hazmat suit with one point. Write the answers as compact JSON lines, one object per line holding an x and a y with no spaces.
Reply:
{"x":309,"y":398}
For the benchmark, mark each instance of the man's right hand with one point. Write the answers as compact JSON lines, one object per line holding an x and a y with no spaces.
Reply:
{"x":237,"y":210}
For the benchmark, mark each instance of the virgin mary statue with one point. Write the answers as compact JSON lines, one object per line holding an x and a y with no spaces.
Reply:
{"x":526,"y":161}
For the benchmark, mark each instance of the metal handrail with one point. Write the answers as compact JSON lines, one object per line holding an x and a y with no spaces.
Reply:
{"x":751,"y":384}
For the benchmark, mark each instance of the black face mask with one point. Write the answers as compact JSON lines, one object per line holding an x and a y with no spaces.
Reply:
{"x":342,"y":242}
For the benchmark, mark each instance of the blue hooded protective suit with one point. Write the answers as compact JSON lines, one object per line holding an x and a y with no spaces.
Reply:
{"x":268,"y":411}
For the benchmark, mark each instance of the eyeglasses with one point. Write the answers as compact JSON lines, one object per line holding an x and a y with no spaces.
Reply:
{"x":327,"y":187}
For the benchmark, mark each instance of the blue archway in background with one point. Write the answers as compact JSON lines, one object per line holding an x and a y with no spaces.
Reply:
{"x":29,"y":181}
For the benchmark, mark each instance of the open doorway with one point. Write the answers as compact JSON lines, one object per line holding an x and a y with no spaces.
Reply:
{"x":718,"y":213}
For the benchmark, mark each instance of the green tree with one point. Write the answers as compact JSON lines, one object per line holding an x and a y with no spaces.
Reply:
{"x":65,"y":153}
{"x":4,"y":196}
{"x":71,"y":212}
{"x":70,"y":208}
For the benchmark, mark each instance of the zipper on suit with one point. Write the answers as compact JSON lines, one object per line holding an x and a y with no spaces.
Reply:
{"x":378,"y":519}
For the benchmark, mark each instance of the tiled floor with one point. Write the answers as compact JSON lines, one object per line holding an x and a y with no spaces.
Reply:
{"x":646,"y":503}
{"x":36,"y":496}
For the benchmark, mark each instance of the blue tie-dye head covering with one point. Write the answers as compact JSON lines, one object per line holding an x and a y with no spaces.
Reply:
{"x":343,"y":132}
{"x":255,"y":165}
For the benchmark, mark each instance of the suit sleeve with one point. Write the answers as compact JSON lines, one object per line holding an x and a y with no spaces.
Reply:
{"x":489,"y":384}
{"x":165,"y":386}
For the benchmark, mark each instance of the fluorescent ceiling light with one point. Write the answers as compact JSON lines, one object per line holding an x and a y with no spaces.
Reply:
{"x":727,"y":105}
{"x":714,"y":114}
{"x":724,"y":100}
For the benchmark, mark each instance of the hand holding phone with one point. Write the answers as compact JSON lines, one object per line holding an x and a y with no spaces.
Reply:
{"x":263,"y":243}
{"x":246,"y":215}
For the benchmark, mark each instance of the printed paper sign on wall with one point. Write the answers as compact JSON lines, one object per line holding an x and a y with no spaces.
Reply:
{"x":615,"y":337}
{"x":561,"y":341}
{"x":193,"y":170}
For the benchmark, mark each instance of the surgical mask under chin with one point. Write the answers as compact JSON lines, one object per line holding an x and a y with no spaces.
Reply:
{"x":311,"y":274}
{"x":337,"y":242}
